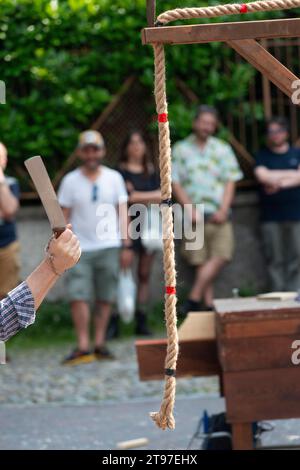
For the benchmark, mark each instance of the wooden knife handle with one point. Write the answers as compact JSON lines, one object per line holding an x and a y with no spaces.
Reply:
{"x":58,"y":231}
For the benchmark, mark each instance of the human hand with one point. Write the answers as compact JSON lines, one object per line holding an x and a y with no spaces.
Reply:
{"x":196,"y":216}
{"x":193,"y":214}
{"x":64,"y":251}
{"x":129,"y":186}
{"x":126,"y":258}
{"x":219,"y":217}
{"x":271,"y":189}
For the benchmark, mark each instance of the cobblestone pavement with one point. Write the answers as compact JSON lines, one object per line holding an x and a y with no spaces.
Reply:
{"x":36,"y":376}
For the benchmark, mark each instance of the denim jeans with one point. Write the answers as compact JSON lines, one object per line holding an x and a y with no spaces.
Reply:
{"x":281,"y":244}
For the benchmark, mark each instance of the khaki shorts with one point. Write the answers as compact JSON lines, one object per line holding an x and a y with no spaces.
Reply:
{"x":218,"y":243}
{"x":95,"y":276}
{"x":9,"y":267}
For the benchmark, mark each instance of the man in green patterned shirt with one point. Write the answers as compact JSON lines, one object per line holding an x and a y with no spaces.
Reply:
{"x":205,"y":170}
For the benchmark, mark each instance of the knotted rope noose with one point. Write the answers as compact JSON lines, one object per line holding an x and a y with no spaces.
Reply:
{"x":164,"y":418}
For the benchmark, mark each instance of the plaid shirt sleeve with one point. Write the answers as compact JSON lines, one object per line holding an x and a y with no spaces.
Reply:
{"x":16,"y":311}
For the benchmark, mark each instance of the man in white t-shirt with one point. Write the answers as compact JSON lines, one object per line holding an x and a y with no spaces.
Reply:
{"x":94,"y":201}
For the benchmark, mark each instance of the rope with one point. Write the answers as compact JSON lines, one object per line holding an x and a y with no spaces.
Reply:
{"x":229,"y":9}
{"x":164,"y":418}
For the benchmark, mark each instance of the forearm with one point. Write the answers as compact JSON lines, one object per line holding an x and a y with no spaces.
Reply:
{"x":265,"y":176}
{"x":145,"y":197}
{"x":180,"y":194}
{"x":124,"y":221}
{"x":16,"y":311}
{"x":40,"y":281}
{"x":228,"y":196}
{"x":274,"y":177}
{"x":290,"y":180}
{"x":9,"y":204}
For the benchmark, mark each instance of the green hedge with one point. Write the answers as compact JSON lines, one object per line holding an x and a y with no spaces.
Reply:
{"x":63,"y":60}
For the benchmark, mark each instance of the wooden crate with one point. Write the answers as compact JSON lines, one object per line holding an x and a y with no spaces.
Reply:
{"x":197,"y":350}
{"x":255,"y":352}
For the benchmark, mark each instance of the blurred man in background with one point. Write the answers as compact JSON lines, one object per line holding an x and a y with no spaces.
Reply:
{"x":94,"y":200}
{"x":9,"y":245}
{"x":278,"y":172}
{"x":204,"y":172}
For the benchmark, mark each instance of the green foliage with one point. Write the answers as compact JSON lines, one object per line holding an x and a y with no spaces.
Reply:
{"x":248,"y":290}
{"x":54,"y":325}
{"x":62,"y":60}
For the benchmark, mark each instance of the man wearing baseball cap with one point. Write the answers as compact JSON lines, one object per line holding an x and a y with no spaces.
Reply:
{"x":91,"y":137}
{"x":94,"y":200}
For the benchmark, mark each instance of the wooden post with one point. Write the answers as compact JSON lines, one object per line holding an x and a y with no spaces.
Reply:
{"x":151,"y":12}
{"x":267,"y":64}
{"x":242,"y":438}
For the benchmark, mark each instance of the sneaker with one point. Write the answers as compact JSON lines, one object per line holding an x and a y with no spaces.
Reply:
{"x":102,"y":352}
{"x":113,"y":329}
{"x":208,"y":308}
{"x":189,"y":306}
{"x":7,"y":359}
{"x":79,"y":357}
{"x":142,"y":328}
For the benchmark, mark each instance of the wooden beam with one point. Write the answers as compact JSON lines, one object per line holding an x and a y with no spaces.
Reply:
{"x":267,"y":64}
{"x":151,"y":12}
{"x":97,"y":126}
{"x":202,"y":33}
{"x":241,"y":150}
{"x":114,"y":103}
{"x":196,"y":358}
{"x":266,"y":87}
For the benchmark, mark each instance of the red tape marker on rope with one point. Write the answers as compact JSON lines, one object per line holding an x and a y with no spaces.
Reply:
{"x":163,"y":117}
{"x":170,"y":290}
{"x":243,"y":8}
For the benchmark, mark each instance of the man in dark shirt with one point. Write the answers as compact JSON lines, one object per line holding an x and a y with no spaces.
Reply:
{"x":278,"y":172}
{"x":9,"y":245}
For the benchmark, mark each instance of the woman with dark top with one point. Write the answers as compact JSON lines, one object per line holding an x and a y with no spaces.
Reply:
{"x":142,"y":182}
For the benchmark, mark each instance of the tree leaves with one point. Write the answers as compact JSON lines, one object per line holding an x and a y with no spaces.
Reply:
{"x":62,"y":61}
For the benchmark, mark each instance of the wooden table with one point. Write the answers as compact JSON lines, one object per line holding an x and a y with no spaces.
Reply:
{"x":254,"y":340}
{"x":248,"y":344}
